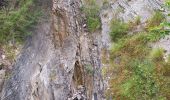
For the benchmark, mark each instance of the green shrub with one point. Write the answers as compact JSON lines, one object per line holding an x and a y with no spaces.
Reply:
{"x":118,"y":29}
{"x":132,"y":46}
{"x":156,"y":33}
{"x":155,"y":20}
{"x":137,"y":20}
{"x":93,"y":24}
{"x":140,"y":80}
{"x":140,"y":73}
{"x":157,"y":54}
{"x":141,"y":84}
{"x":92,"y":14}
{"x":16,"y":24}
{"x":156,"y":27}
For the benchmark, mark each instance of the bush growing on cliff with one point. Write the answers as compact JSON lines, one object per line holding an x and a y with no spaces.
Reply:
{"x":15,"y":24}
{"x":155,"y":20}
{"x":140,"y":73}
{"x":157,"y":54}
{"x":157,"y":32}
{"x":141,"y":83}
{"x":118,"y":29}
{"x":92,"y":14}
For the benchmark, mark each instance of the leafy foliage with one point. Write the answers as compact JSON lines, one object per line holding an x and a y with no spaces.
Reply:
{"x":142,"y":72}
{"x":141,"y":82}
{"x":157,"y":54}
{"x":92,"y":14}
{"x":118,"y":29}
{"x":15,"y":24}
{"x":155,"y":20}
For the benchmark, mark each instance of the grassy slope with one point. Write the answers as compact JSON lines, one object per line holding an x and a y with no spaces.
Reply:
{"x":141,"y":70}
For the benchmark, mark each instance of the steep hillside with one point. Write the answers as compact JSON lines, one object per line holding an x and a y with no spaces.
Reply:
{"x":84,"y":50}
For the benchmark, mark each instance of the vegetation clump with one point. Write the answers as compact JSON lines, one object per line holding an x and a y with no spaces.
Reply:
{"x":155,"y":20}
{"x":141,"y":72}
{"x":15,"y":22}
{"x":17,"y":18}
{"x":118,"y":29}
{"x":92,"y":12}
{"x":157,"y":54}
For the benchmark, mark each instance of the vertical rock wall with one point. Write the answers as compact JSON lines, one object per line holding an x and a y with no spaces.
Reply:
{"x":53,"y":63}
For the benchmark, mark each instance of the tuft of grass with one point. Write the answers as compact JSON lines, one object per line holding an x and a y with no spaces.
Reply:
{"x":137,"y":20}
{"x":157,"y":54}
{"x":93,"y":24}
{"x":156,"y":27}
{"x":132,"y":46}
{"x":118,"y":29}
{"x":167,"y":67}
{"x":92,"y":12}
{"x":155,"y":20}
{"x":89,"y":69}
{"x":9,"y":52}
{"x":90,"y":2}
{"x":105,"y":3}
{"x":134,"y":23}
{"x":156,"y":33}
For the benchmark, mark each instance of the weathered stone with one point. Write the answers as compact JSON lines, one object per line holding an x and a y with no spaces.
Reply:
{"x":2,"y":79}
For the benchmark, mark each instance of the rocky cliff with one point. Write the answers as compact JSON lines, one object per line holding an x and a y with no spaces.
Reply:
{"x":61,"y":60}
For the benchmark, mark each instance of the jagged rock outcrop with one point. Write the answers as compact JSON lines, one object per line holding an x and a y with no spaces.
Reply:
{"x":52,"y":63}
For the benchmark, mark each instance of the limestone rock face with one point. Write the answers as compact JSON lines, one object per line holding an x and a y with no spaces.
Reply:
{"x":52,"y":63}
{"x":62,"y":61}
